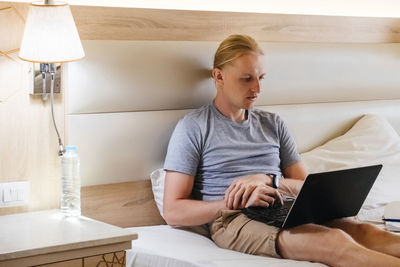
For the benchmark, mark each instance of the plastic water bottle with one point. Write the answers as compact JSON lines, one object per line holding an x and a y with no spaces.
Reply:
{"x":70,"y":182}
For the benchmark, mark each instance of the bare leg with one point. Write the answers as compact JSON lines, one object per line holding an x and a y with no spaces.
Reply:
{"x":330,"y":246}
{"x":370,"y":236}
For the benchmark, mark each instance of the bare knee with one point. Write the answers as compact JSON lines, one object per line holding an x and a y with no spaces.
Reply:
{"x":337,"y":237}
{"x":314,"y":243}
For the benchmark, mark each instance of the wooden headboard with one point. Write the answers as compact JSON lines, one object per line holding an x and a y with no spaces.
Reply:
{"x":124,"y":99}
{"x":123,"y":204}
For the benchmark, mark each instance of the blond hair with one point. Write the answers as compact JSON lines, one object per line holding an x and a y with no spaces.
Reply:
{"x":233,"y":47}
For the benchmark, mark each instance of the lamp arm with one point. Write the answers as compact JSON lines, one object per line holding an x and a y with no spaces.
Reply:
{"x":52,"y":70}
{"x":43,"y":69}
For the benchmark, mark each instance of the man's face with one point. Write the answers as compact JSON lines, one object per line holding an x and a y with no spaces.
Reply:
{"x":241,"y":81}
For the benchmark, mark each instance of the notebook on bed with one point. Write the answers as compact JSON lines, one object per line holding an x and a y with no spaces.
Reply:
{"x":323,"y":197}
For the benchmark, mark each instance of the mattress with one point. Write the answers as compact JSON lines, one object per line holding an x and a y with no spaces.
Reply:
{"x":165,"y":246}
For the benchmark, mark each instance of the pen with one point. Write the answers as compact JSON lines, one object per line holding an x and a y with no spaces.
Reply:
{"x":391,"y":220}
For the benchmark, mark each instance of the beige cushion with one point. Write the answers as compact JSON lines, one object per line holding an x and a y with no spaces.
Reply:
{"x":372,"y":140}
{"x":132,"y":75}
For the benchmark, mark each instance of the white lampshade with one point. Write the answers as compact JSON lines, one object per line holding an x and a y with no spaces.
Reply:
{"x":50,"y":35}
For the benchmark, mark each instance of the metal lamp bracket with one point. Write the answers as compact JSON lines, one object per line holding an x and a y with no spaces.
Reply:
{"x":37,"y":76}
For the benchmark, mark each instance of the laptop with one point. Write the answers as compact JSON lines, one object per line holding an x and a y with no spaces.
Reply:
{"x":323,"y":197}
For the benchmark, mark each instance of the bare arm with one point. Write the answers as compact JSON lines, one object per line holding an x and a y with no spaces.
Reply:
{"x":179,"y":209}
{"x":296,"y":171}
{"x":295,"y":175}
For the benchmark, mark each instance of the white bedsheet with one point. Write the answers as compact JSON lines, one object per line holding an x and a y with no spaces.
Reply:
{"x":166,"y":246}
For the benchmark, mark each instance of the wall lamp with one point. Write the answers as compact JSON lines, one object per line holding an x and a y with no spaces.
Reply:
{"x":50,"y":37}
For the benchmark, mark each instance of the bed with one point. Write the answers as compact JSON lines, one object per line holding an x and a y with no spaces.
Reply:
{"x":340,"y":101}
{"x":372,"y":140}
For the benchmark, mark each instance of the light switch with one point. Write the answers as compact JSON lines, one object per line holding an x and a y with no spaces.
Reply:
{"x":7,"y":195}
{"x":14,"y":194}
{"x":20,"y":195}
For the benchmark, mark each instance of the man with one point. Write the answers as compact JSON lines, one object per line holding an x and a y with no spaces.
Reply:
{"x":224,"y":156}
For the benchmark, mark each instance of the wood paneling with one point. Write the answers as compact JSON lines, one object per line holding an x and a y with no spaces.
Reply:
{"x":113,"y":23}
{"x":28,"y":141}
{"x":117,"y":23}
{"x":122,"y":204}
{"x":11,"y":29}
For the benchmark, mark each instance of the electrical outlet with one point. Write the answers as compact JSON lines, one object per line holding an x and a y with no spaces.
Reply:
{"x":14,"y":194}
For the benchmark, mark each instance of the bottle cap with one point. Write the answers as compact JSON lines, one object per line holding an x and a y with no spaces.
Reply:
{"x":70,"y":148}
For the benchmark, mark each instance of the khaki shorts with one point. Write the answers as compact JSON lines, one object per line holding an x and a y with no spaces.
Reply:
{"x":233,"y":230}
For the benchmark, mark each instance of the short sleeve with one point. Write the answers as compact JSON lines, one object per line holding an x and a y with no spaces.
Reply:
{"x":288,"y":150}
{"x":184,"y":148}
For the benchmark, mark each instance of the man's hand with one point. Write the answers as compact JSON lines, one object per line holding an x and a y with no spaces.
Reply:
{"x":264,"y":196}
{"x":251,"y":190}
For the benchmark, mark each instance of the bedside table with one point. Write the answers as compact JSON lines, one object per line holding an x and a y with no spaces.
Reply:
{"x":47,"y":238}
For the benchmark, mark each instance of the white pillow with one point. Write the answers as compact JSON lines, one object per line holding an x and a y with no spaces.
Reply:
{"x":372,"y":140}
{"x":157,"y":178}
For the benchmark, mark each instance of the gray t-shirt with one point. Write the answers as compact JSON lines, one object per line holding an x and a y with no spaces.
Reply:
{"x":216,"y":150}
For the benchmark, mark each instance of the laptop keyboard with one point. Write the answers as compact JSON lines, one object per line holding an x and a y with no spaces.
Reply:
{"x":272,"y":216}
